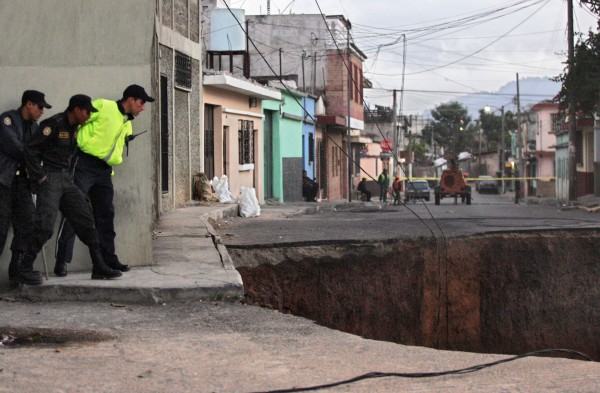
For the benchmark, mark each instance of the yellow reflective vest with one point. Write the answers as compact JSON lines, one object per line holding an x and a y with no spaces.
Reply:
{"x":103,"y":136}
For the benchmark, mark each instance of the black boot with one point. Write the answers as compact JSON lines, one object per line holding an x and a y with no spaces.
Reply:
{"x":118,"y":266}
{"x":101,"y":271}
{"x":60,"y":268}
{"x":25,"y":272}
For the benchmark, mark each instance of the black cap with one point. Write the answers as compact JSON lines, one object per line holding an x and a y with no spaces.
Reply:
{"x":137,"y":91}
{"x":37,"y":97}
{"x":82,"y":101}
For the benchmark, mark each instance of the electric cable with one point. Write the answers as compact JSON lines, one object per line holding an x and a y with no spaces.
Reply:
{"x":437,"y":246}
{"x":335,"y":143}
{"x":460,"y":371}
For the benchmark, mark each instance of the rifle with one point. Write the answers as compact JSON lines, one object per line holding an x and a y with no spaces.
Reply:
{"x":131,"y":137}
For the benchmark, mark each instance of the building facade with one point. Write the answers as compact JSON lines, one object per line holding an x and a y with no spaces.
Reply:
{"x":98,"y":49}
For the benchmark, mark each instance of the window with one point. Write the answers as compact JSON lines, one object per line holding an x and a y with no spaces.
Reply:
{"x":246,"y":142}
{"x":555,"y":122}
{"x":311,"y":147}
{"x":183,"y":70}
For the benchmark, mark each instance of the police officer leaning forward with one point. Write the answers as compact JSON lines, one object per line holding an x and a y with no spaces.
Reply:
{"x":101,"y":143}
{"x":54,"y":146}
{"x":16,"y":205}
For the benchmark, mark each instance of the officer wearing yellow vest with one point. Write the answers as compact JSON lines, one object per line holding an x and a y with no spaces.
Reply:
{"x":101,"y":141}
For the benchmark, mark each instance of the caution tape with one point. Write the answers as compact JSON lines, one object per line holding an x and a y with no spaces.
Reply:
{"x":543,"y":178}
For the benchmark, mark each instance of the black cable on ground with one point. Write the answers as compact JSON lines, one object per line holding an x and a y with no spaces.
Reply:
{"x":466,"y":370}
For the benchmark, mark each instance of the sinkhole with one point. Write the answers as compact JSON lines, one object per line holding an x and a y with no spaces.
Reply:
{"x":505,"y":293}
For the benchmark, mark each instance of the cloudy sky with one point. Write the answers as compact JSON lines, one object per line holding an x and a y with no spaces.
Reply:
{"x":452,"y":47}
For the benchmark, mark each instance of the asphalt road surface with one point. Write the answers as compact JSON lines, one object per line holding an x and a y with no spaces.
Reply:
{"x":291,"y":224}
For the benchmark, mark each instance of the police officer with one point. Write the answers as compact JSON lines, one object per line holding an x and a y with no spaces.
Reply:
{"x":16,"y":205}
{"x":54,"y":146}
{"x":101,"y":143}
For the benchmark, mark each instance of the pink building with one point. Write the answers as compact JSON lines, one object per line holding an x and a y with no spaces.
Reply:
{"x":542,"y":124}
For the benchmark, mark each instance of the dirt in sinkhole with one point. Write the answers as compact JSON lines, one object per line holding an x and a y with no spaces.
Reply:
{"x":504,"y":293}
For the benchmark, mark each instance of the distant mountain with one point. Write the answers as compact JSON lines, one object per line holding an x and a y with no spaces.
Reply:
{"x":532,"y":91}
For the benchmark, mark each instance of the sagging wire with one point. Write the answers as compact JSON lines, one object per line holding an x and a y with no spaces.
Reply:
{"x":466,"y":370}
{"x":435,"y":240}
{"x":437,"y":246}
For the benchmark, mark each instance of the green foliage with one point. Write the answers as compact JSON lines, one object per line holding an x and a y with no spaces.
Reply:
{"x":450,"y":128}
{"x":491,"y":126}
{"x":419,"y":149}
{"x":583,"y":81}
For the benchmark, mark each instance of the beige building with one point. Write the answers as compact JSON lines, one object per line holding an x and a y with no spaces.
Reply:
{"x":233,"y":126}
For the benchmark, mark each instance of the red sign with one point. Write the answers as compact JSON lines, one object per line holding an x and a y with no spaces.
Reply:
{"x":386,"y":145}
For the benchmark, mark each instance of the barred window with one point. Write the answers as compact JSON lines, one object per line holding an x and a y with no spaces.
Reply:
{"x":246,"y":142}
{"x":183,"y":70}
{"x":555,"y":122}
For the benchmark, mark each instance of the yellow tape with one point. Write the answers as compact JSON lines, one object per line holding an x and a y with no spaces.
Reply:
{"x":546,"y":178}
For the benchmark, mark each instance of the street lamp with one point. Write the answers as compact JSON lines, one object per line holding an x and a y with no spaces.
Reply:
{"x":488,"y":109}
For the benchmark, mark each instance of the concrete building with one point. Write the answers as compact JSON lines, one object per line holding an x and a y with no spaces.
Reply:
{"x":233,"y":130}
{"x":63,"y":47}
{"x":584,"y":159}
{"x":283,"y":146}
{"x":540,"y":129}
{"x":318,"y":65}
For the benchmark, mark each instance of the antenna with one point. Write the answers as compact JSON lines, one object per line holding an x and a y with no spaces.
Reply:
{"x":268,"y":7}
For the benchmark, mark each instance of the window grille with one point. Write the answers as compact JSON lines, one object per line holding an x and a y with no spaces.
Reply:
{"x":555,"y":122}
{"x":246,"y":142}
{"x":183,"y":70}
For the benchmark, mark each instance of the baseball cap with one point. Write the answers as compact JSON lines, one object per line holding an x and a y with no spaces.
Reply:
{"x":37,"y":97}
{"x":82,"y":101}
{"x":137,"y":91}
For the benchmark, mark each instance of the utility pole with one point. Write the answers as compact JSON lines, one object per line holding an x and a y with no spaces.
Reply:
{"x":395,"y":135}
{"x":502,"y":148}
{"x":572,"y":169}
{"x":348,"y":27}
{"x":520,"y":161}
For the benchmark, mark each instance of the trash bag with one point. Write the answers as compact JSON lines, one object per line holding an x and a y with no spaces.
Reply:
{"x":221,"y":187}
{"x":248,"y":203}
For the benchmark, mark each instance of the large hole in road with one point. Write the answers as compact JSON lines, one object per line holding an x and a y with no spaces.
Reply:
{"x":495,"y":293}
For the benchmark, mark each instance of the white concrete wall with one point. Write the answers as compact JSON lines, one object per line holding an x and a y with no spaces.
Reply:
{"x":65,"y":47}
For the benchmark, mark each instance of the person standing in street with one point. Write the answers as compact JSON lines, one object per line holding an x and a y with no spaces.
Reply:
{"x":101,"y":141}
{"x":397,"y":188}
{"x":16,"y":203}
{"x":384,"y":185}
{"x":517,"y":189}
{"x":49,"y":153}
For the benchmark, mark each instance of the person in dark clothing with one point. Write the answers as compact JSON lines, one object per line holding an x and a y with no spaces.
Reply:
{"x":517,"y":189}
{"x":397,"y":189}
{"x":384,"y":185}
{"x":49,"y":154}
{"x":100,"y":142}
{"x":16,"y":205}
{"x":362,"y":187}
{"x":310,"y":188}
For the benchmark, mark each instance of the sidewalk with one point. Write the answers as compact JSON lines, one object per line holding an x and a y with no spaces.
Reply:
{"x":189,"y":262}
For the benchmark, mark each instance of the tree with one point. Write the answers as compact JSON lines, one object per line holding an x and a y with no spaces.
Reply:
{"x":418,"y":148}
{"x":450,"y":128}
{"x":584,"y":77}
{"x":491,"y":124}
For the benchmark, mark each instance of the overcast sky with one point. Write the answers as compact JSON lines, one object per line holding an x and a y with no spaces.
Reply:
{"x":453,"y":47}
